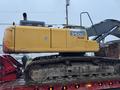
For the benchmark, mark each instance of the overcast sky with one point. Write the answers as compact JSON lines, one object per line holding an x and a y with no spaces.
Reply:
{"x":53,"y":11}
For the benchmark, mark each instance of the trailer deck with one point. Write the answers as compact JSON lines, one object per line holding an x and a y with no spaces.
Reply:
{"x":97,"y":85}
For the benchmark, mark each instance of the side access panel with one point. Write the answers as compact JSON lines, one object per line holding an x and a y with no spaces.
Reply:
{"x":58,"y":38}
{"x":32,"y":39}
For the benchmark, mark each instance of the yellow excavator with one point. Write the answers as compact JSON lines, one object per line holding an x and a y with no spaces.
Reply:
{"x":71,"y":64}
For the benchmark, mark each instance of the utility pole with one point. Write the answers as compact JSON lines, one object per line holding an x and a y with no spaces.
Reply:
{"x":67,"y":4}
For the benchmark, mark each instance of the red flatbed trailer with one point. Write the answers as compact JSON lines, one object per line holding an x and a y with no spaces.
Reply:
{"x":97,"y":85}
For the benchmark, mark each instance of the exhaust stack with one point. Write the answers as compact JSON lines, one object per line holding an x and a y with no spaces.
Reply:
{"x":24,"y":16}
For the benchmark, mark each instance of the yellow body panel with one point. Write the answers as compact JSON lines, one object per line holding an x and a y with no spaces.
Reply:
{"x":8,"y":40}
{"x":44,"y":39}
{"x":32,"y":38}
{"x":58,"y":38}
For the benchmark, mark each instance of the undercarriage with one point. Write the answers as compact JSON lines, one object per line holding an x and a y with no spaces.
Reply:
{"x":58,"y":69}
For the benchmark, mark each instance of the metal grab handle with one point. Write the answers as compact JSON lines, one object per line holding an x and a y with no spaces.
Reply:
{"x":89,"y":19}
